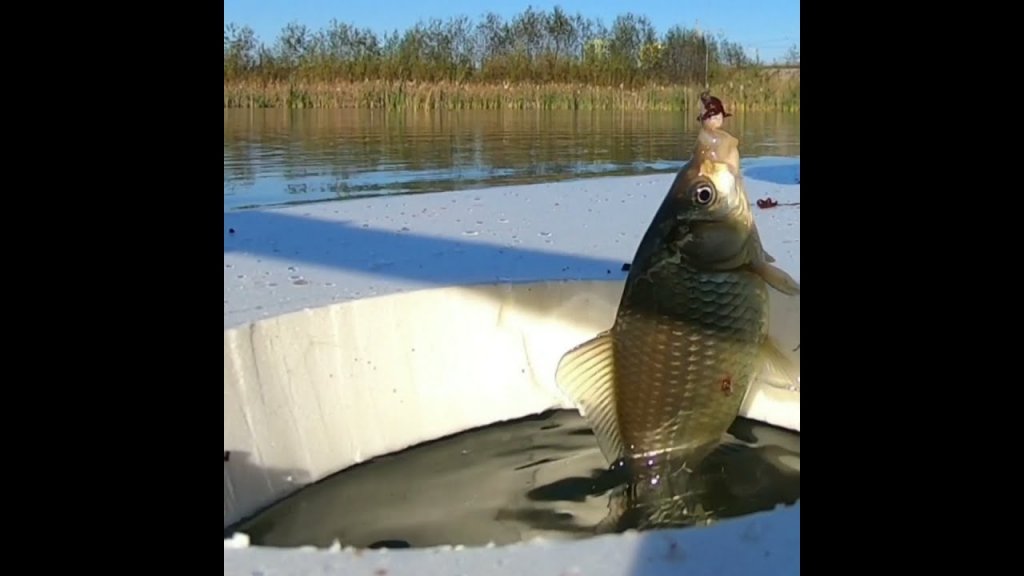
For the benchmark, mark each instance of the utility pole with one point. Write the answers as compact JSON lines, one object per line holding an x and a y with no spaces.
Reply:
{"x":704,"y":41}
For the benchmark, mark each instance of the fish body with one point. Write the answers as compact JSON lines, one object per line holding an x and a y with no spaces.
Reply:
{"x":661,"y":387}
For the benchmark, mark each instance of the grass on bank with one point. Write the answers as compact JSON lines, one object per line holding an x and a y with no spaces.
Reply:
{"x":749,"y":92}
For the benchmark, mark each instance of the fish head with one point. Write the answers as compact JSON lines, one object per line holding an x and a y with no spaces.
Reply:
{"x":708,"y":220}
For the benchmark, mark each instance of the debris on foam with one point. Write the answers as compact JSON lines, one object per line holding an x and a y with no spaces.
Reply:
{"x":237,"y":540}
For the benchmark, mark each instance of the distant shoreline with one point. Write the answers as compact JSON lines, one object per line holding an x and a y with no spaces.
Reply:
{"x":757,"y":90}
{"x":535,"y":59}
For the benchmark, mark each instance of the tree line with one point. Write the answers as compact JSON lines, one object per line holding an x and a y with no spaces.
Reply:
{"x":533,"y":47}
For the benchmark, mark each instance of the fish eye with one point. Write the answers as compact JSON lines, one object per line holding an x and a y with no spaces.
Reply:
{"x":703,"y":194}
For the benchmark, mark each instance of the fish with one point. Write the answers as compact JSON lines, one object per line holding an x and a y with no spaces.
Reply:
{"x":661,"y":387}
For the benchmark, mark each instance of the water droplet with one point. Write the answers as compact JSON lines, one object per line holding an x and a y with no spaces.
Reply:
{"x":301,"y":282}
{"x":240,"y":276}
{"x":330,"y":284}
{"x":503,"y":220}
{"x":470,"y":233}
{"x":294,"y":277}
{"x":291,"y":268}
{"x":545,"y":234}
{"x":229,"y":266}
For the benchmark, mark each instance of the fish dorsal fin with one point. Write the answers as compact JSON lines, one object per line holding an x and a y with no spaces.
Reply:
{"x":777,"y":369}
{"x":586,"y":374}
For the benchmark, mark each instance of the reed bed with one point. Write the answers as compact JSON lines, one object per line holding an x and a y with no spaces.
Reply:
{"x":740,"y":94}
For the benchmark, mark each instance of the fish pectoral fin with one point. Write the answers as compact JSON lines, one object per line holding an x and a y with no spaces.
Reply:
{"x":586,"y":375}
{"x":777,"y":369}
{"x":776,"y":277}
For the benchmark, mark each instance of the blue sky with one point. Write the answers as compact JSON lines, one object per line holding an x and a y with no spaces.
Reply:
{"x":768,"y":26}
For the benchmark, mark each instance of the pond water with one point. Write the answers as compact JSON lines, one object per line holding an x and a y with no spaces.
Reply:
{"x":277,"y":156}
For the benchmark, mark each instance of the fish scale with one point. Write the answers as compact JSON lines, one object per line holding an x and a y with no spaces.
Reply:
{"x":715,"y":324}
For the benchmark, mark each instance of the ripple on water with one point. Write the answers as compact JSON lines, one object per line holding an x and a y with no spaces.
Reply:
{"x":269,"y":160}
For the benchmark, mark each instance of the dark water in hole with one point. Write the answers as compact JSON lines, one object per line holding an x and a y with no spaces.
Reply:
{"x":537,"y":476}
